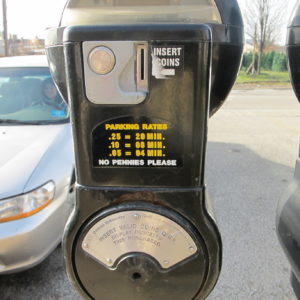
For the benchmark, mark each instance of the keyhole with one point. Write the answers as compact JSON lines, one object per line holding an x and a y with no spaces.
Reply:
{"x":136,"y":276}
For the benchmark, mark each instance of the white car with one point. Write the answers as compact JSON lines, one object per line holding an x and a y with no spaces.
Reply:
{"x":36,"y":163}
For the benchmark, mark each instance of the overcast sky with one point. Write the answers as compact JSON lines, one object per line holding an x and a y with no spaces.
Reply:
{"x":29,"y":18}
{"x":290,"y":4}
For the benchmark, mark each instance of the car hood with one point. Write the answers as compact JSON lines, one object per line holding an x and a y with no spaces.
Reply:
{"x":22,"y":148}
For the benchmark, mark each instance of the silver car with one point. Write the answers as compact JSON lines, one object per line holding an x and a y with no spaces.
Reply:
{"x":36,"y":163}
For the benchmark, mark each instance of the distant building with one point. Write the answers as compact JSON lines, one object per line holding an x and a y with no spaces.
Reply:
{"x":2,"y":51}
{"x":249,"y":47}
{"x":276,"y":48}
{"x":20,"y":46}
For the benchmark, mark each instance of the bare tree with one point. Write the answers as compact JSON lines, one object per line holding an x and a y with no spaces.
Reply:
{"x":263,"y":24}
{"x":252,"y":68}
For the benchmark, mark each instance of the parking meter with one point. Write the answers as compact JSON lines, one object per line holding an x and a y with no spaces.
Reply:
{"x":142,"y":78}
{"x":288,"y":209}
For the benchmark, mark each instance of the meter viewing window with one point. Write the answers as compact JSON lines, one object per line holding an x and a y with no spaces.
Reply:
{"x":137,"y":11}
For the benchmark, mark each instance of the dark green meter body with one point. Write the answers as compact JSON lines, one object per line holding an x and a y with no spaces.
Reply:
{"x":142,"y":81}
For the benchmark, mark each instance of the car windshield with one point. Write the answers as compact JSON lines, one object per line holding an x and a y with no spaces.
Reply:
{"x":29,"y":96}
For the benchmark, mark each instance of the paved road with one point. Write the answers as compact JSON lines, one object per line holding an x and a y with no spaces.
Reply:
{"x":253,"y":144}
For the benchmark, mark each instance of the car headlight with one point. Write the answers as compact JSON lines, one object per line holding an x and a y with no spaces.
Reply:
{"x":23,"y":206}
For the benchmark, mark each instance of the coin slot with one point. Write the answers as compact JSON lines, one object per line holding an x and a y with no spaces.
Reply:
{"x":142,"y":64}
{"x":142,"y":68}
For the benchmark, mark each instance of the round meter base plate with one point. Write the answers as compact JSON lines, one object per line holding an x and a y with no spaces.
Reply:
{"x":137,"y":252}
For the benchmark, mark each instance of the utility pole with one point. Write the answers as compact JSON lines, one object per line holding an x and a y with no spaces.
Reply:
{"x":5,"y":39}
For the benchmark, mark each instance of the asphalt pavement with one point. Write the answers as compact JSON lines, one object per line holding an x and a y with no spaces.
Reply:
{"x":252,"y":148}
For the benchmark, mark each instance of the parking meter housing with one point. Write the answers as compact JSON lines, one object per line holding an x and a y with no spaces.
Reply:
{"x":293,"y":47}
{"x":142,"y":80}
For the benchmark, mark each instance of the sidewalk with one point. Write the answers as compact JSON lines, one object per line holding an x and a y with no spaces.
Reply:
{"x":262,"y":85}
